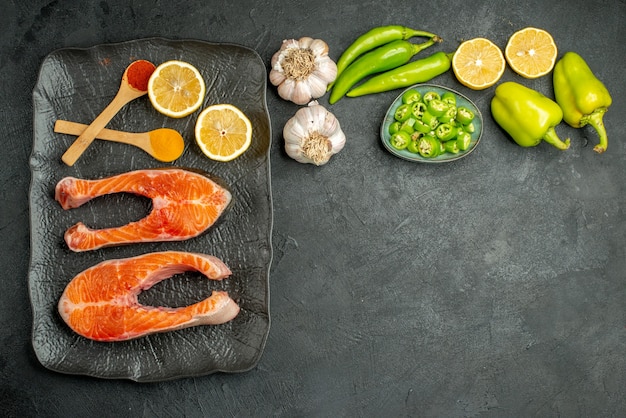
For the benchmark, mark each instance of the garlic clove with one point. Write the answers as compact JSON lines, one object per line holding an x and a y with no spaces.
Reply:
{"x":290,"y":43}
{"x":277,"y":77}
{"x":330,"y":124}
{"x":286,"y":88}
{"x":294,"y":131}
{"x":301,"y":93}
{"x":295,"y":91}
{"x":275,"y":62}
{"x":326,"y":70}
{"x":305,"y":42}
{"x":295,"y":152}
{"x":319,"y":47}
{"x":338,"y":141}
{"x":317,"y":86}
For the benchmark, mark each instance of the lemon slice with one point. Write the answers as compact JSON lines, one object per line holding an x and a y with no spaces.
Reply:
{"x":531,"y":52}
{"x":176,"y":89}
{"x":478,"y":63}
{"x":223,"y":132}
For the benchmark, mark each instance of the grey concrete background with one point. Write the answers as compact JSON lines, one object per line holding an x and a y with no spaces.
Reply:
{"x":491,"y":286}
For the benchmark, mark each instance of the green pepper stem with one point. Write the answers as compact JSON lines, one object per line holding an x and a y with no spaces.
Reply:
{"x":595,"y":120}
{"x":552,"y":138}
{"x":410,"y":33}
{"x":420,"y":47}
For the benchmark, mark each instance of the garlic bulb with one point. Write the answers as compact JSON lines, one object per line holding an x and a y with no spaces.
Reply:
{"x":313,"y":135}
{"x":302,"y":70}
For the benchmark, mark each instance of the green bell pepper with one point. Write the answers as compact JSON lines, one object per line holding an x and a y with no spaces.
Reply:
{"x":527,"y":115}
{"x":583,"y":98}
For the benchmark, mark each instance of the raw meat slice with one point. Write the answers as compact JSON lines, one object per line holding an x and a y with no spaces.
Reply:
{"x":184,"y":205}
{"x":101,"y":303}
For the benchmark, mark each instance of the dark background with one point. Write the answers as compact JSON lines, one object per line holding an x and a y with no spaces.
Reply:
{"x":490,"y":286}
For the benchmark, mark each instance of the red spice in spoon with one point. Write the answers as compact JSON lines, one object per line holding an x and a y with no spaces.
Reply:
{"x":138,"y":74}
{"x":134,"y":84}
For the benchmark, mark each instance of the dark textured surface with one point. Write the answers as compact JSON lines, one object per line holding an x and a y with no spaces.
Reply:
{"x":71,"y":84}
{"x":491,"y":286}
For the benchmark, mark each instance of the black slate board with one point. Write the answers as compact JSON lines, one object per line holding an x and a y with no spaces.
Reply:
{"x":76,"y":84}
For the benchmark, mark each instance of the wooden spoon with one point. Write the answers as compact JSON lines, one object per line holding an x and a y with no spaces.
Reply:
{"x":164,"y":144}
{"x":126,"y":93}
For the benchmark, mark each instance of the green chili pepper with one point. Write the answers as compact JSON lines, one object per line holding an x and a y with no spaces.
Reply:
{"x":430,"y":95}
{"x":381,"y":59}
{"x":463,"y":140}
{"x":394,"y":127}
{"x":583,"y":98}
{"x":413,"y":146}
{"x":464,"y":116}
{"x":407,"y":125}
{"x":420,"y":126}
{"x":449,"y":98}
{"x":376,"y":37}
{"x":437,"y":107}
{"x":411,"y":96}
{"x":414,"y":72}
{"x":415,"y":135}
{"x":430,"y":120}
{"x":428,"y":146}
{"x":400,"y":140}
{"x":445,"y":132}
{"x":418,"y":109}
{"x":402,"y":113}
{"x":527,"y":115}
{"x":451,"y":147}
{"x":448,"y":116}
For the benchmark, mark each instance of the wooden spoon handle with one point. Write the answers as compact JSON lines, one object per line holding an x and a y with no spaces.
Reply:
{"x":124,"y":95}
{"x":74,"y":128}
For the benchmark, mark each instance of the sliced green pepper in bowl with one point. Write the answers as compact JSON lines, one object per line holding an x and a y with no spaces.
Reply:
{"x":445,"y":125}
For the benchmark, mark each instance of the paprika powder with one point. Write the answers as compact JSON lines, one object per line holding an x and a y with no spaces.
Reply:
{"x":138,"y":74}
